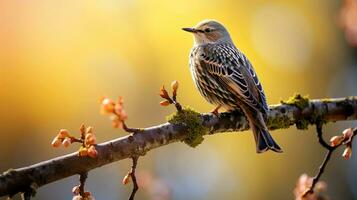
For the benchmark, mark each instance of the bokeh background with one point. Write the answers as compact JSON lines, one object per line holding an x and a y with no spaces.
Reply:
{"x":58,"y":57}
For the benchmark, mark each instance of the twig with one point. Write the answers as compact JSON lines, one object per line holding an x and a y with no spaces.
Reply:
{"x":178,"y":106}
{"x":316,"y":178}
{"x":13,"y":181}
{"x":330,"y":150}
{"x":133,"y":177}
{"x":130,"y":130}
{"x":82,"y":181}
{"x":320,"y":136}
{"x":168,"y":100}
{"x":73,"y":139}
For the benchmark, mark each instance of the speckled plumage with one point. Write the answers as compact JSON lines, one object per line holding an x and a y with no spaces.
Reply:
{"x":225,"y":77}
{"x":216,"y":65}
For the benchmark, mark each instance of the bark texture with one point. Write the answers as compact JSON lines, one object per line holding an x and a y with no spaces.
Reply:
{"x":298,"y":111}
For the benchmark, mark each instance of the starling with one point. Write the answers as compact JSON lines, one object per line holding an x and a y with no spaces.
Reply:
{"x":225,"y":78}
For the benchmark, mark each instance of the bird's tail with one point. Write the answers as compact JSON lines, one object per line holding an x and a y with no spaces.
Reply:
{"x":264,"y":140}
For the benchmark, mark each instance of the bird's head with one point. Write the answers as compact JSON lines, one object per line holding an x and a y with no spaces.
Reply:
{"x":209,"y":31}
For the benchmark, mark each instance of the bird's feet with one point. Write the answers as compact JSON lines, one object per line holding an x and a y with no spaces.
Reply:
{"x":215,"y":111}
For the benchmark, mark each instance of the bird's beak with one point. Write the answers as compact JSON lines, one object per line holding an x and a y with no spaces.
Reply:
{"x":191,"y":30}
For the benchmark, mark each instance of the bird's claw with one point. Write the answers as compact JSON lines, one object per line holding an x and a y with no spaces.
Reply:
{"x":215,"y":111}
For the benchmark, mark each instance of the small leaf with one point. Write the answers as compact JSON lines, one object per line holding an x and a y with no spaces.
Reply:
{"x":174,"y":85}
{"x":163,"y":93}
{"x":82,"y":129}
{"x":165,"y":103}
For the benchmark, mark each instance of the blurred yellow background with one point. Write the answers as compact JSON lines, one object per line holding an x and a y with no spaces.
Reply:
{"x":58,"y":57}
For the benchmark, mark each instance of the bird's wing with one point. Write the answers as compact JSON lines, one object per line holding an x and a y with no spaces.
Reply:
{"x":261,"y":93}
{"x":231,"y":68}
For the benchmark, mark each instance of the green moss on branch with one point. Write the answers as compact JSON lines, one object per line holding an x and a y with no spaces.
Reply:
{"x":303,"y":102}
{"x":192,"y":120}
{"x":298,"y":100}
{"x":278,"y":122}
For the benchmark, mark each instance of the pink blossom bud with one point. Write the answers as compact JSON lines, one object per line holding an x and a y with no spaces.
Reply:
{"x":89,"y":129}
{"x":66,"y":142}
{"x":56,"y":142}
{"x":118,"y":108}
{"x":126,"y":179}
{"x":63,"y":133}
{"x":123,"y":115}
{"x":347,"y":153}
{"x":90,"y":139}
{"x":348,"y":133}
{"x":75,"y":190}
{"x":82,"y":129}
{"x":107,"y":106}
{"x":92,"y":152}
{"x":336,"y":140}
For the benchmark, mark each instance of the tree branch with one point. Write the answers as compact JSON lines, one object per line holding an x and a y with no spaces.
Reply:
{"x":330,"y":149}
{"x":133,"y":177}
{"x":280,"y":116}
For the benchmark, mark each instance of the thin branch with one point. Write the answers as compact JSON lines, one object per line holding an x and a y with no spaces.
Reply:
{"x":82,"y":181}
{"x":130,"y":130}
{"x":73,"y":139}
{"x":133,"y":177}
{"x":280,"y":116}
{"x":330,"y":150}
{"x":177,"y":105}
{"x":321,"y":139}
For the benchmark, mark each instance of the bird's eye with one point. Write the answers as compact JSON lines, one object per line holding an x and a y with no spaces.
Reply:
{"x":207,"y":30}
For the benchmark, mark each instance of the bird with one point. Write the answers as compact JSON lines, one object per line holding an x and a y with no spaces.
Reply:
{"x":225,"y":78}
